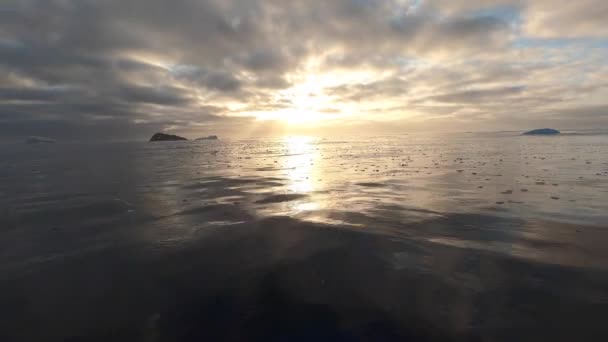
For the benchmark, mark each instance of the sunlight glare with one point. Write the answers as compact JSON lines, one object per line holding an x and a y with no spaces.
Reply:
{"x":300,"y":160}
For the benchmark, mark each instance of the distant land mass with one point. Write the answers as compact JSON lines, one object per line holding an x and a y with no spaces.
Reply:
{"x":543,"y":131}
{"x":166,"y":137}
{"x":39,"y":140}
{"x":211,"y":137}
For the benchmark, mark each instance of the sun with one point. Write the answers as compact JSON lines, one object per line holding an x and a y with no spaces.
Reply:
{"x":309,"y":100}
{"x":303,"y":109}
{"x":297,"y":116}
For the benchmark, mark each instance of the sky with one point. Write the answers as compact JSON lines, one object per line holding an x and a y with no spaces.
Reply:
{"x":115,"y":69}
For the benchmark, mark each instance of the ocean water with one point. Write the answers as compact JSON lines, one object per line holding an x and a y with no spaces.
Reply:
{"x":419,"y":237}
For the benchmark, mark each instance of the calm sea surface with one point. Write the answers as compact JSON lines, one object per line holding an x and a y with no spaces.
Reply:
{"x":420,"y":237}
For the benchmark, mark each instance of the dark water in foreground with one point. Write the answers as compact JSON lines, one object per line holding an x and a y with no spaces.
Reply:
{"x":471,"y":237}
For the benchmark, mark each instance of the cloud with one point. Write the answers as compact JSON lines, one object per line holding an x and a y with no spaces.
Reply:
{"x":38,"y":94}
{"x":217,"y":65}
{"x":572,"y":19}
{"x":211,"y":79}
{"x":168,"y":96}
{"x":542,"y":18}
{"x":261,"y":60}
{"x":478,"y":95}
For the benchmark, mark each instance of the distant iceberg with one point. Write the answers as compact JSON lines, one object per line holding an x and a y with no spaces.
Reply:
{"x":543,"y":131}
{"x":39,"y":140}
{"x":211,"y":137}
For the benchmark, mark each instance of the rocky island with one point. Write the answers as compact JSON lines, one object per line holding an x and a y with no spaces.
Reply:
{"x":211,"y":137}
{"x":166,"y":137}
{"x":542,"y":131}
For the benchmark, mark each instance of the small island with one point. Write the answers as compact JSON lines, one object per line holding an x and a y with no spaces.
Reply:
{"x":543,"y":131}
{"x":211,"y":137}
{"x":166,"y":137}
{"x":39,"y":140}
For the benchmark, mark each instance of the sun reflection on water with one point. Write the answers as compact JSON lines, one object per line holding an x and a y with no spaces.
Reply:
{"x":300,"y":163}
